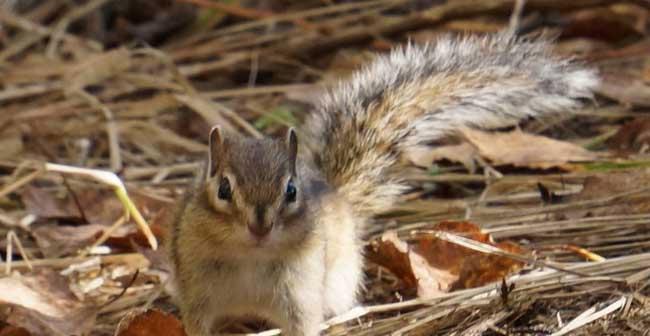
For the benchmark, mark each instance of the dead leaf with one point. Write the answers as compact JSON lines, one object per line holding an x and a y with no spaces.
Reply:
{"x":435,"y":266}
{"x":482,"y":269}
{"x":149,"y":323}
{"x":605,"y":23}
{"x":43,"y":305}
{"x":135,"y":239}
{"x":424,"y":156}
{"x":580,"y":46}
{"x":14,"y":331}
{"x":125,"y":242}
{"x":614,"y":182}
{"x":45,"y":204}
{"x":411,"y":268}
{"x":526,"y":150}
{"x":61,"y":240}
{"x":100,"y":206}
{"x":611,"y":183}
{"x":624,"y":88}
{"x":393,"y":253}
{"x":101,"y":209}
{"x":432,"y":281}
{"x":631,"y":137}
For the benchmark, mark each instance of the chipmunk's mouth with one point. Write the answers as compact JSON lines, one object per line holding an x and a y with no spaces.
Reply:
{"x":260,"y":242}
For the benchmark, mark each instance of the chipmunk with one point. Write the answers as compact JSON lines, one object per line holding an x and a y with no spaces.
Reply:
{"x":273,"y":231}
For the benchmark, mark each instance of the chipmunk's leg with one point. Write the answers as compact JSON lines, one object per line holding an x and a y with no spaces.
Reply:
{"x":344,"y":264}
{"x":299,"y":301}
{"x":197,"y":313}
{"x":196,"y":322}
{"x":303,"y":316}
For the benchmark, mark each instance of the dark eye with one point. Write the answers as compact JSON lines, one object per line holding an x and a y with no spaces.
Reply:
{"x":224,"y":193}
{"x":290,"y":194}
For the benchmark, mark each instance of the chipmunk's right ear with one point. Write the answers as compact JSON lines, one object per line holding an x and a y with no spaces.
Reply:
{"x":216,"y":150}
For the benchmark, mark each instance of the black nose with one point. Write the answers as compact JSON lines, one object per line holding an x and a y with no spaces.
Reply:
{"x":259,"y":230}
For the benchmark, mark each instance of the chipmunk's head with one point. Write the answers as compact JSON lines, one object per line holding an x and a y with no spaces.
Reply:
{"x":253,"y":187}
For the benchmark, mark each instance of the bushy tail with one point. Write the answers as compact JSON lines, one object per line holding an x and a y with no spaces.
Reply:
{"x":419,"y":94}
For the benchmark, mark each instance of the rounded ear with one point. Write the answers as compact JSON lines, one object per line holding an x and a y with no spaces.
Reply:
{"x":215,"y":150}
{"x":291,"y":141}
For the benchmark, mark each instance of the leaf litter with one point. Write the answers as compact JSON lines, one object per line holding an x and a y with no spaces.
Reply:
{"x":42,"y":304}
{"x":435,"y":266}
{"x":504,"y":232}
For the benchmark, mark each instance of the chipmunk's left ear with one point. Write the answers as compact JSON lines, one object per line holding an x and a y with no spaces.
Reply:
{"x":291,"y":140}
